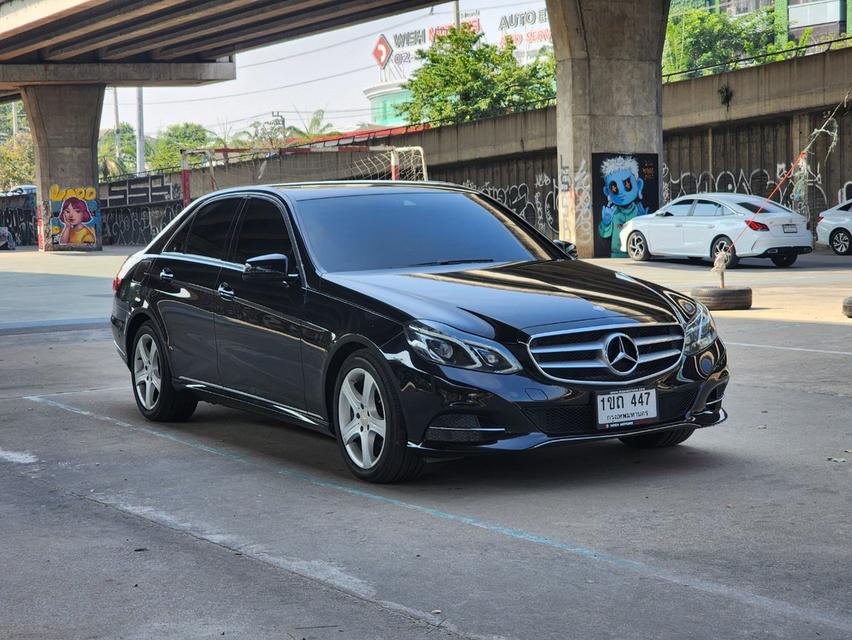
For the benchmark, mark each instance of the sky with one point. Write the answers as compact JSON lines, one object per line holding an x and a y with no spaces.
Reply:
{"x":328,"y":71}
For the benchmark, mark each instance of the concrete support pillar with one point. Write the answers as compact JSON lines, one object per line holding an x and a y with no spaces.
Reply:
{"x":64,"y":120}
{"x":609,"y":101}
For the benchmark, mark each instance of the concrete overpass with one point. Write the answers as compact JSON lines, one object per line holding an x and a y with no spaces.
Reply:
{"x":60,"y":54}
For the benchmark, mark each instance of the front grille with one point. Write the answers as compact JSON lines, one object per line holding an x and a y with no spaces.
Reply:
{"x":579,"y":355}
{"x":578,"y":419}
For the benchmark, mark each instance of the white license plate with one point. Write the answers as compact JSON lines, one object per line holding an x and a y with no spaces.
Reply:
{"x":625,"y":408}
{"x":790,"y":228}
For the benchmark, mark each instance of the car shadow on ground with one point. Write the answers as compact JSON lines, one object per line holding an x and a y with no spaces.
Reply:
{"x":599,"y":464}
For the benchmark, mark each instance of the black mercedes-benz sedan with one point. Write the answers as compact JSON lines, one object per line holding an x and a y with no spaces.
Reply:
{"x":408,"y":320}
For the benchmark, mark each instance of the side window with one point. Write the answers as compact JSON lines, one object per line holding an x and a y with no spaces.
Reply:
{"x":263,"y":231}
{"x":706,"y":209}
{"x":846,"y":207}
{"x":679,"y":209}
{"x":209,"y":233}
{"x":178,"y":242}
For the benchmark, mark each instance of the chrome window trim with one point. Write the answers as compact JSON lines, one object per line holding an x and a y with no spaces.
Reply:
{"x":608,"y":383}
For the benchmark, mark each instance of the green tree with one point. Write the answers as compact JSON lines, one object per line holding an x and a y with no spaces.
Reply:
{"x":269,"y":133}
{"x":701,"y":38}
{"x":166,"y":148}
{"x":114,"y":162}
{"x":464,"y":78}
{"x":315,"y":127}
{"x":6,"y":128}
{"x":17,"y":161}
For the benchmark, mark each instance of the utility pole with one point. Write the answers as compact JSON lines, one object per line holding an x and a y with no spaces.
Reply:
{"x":14,"y":118}
{"x":280,"y":116}
{"x":457,"y":15}
{"x":117,"y":124}
{"x":140,"y":132}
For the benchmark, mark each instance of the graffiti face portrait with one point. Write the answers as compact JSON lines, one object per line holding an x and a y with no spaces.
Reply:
{"x":622,"y":187}
{"x":75,"y":212}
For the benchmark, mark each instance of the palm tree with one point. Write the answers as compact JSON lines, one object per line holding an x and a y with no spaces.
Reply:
{"x":314,"y":128}
{"x":225,"y":135}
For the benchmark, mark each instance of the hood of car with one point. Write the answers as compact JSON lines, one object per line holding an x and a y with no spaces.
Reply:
{"x":488,"y":300}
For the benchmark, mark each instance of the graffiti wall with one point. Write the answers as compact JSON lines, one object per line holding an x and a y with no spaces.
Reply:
{"x":136,"y":191}
{"x":529,"y":186}
{"x":18,"y":215}
{"x":624,"y":186}
{"x":137,"y":224}
{"x":75,"y":219}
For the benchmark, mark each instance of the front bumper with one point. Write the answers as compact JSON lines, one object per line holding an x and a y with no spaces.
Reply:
{"x":452,"y":411}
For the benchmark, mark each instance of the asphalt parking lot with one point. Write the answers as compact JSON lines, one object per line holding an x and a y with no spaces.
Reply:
{"x":236,"y":526}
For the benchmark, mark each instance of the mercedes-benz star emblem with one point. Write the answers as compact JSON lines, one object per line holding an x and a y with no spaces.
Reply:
{"x":621,"y":354}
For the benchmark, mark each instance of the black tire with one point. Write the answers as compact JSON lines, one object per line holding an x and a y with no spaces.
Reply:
{"x":729,"y":298}
{"x":840,"y":242}
{"x":724,"y":242}
{"x":170,"y":405}
{"x":786,"y":260}
{"x":847,"y":307}
{"x":659,"y":439}
{"x":637,"y":247}
{"x":395,"y":461}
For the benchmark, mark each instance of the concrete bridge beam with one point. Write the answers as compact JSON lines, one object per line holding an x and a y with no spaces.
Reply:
{"x":609,"y":101}
{"x":64,"y":120}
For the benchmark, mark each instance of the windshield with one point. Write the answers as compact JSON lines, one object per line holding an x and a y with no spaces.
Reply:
{"x":395,"y":230}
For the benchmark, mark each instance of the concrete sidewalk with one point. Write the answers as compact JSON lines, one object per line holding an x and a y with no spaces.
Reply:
{"x":57,"y":289}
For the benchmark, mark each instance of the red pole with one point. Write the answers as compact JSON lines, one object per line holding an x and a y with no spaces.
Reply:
{"x":184,"y":179}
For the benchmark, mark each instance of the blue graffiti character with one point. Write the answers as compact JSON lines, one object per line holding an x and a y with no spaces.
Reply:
{"x":623,"y":191}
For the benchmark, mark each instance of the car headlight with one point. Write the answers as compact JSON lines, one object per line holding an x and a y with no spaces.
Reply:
{"x":700,"y":333}
{"x":447,"y":346}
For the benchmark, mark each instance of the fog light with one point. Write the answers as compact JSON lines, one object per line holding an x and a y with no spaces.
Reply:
{"x":706,"y":363}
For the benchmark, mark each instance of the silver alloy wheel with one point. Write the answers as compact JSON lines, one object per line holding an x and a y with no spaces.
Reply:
{"x":840,"y":242}
{"x":636,"y":246}
{"x":147,"y":376}
{"x":361,"y":416}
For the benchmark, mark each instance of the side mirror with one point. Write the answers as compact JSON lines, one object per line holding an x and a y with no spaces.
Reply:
{"x":568,"y":248}
{"x":272,"y":266}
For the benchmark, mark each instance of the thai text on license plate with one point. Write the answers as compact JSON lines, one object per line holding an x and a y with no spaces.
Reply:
{"x":624,"y":408}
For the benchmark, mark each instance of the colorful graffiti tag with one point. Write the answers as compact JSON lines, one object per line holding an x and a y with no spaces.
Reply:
{"x":625,"y":186}
{"x":74,"y":216}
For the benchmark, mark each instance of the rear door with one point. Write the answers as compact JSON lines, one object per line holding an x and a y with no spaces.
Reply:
{"x":259,"y":330}
{"x":665,"y":229}
{"x":184,"y":280}
{"x":700,"y":228}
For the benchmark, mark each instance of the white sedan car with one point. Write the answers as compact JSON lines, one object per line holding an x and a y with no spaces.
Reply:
{"x":834,"y":228}
{"x":702,"y":225}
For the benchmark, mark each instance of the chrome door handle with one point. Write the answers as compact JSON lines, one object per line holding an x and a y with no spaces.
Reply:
{"x":166,"y":274}
{"x":225,"y":292}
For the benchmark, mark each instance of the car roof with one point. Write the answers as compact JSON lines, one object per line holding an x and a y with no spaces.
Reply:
{"x":342,"y":188}
{"x":728,"y":196}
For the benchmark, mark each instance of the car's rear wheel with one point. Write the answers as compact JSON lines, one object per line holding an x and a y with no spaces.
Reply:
{"x":786,"y":260}
{"x":155,"y":396}
{"x":723,"y":243}
{"x":659,"y":439}
{"x":369,"y":425}
{"x":841,"y":242}
{"x":637,"y":247}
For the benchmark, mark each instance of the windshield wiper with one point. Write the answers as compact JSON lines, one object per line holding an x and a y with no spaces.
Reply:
{"x":446,"y":262}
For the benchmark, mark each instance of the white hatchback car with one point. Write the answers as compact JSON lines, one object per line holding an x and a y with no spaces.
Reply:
{"x":834,"y":228}
{"x":702,"y":225}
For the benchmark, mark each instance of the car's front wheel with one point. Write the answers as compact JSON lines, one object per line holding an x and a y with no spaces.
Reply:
{"x":637,"y":247}
{"x":841,"y":242}
{"x":786,"y":260}
{"x":368,"y":422}
{"x":659,"y":439}
{"x":155,"y":396}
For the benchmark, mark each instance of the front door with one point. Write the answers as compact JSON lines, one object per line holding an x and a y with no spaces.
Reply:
{"x":259,"y":330}
{"x":184,"y":277}
{"x":666,"y":236}
{"x":699,"y":229}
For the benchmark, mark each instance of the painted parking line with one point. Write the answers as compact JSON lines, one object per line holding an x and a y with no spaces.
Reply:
{"x":772,"y":346}
{"x":771,"y":605}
